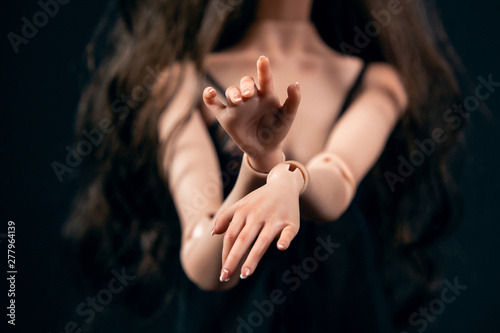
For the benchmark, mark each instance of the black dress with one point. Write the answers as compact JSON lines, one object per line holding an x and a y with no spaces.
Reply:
{"x":324,"y":282}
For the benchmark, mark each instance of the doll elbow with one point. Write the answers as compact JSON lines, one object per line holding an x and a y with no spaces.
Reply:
{"x":333,"y":215}
{"x":331,"y":207}
{"x":201,"y":282}
{"x":197,"y":273}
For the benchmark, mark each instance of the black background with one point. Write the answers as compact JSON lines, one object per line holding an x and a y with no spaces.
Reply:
{"x":40,"y":88}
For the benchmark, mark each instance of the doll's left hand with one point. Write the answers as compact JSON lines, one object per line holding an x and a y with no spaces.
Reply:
{"x":266,"y":213}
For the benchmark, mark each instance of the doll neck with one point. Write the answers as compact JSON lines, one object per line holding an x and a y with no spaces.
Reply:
{"x":284,"y":10}
{"x":283,"y":37}
{"x":283,"y":28}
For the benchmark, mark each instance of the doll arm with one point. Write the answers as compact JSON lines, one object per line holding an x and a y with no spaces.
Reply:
{"x":194,"y":182}
{"x":192,"y":173}
{"x":354,"y":145}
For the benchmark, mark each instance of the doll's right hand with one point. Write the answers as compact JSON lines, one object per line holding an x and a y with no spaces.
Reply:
{"x":254,"y":117}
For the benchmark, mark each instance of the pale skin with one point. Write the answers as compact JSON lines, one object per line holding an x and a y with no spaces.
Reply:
{"x":303,"y":121}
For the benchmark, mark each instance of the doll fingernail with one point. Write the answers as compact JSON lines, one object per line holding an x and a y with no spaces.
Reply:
{"x":224,"y":275}
{"x":245,"y":273}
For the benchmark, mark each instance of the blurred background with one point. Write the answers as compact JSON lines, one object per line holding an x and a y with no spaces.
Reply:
{"x":40,"y":88}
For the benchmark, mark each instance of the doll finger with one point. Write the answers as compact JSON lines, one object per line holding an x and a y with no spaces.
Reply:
{"x":257,"y":252}
{"x":223,"y":220}
{"x":265,"y":76}
{"x":233,"y":96}
{"x":238,"y":250}
{"x":287,"y":235}
{"x":247,"y":86}
{"x":212,"y":102}
{"x":292,"y":102}
{"x":231,"y":235}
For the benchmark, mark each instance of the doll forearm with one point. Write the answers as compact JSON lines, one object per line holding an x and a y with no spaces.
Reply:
{"x":330,"y":190}
{"x":325,"y":187}
{"x":249,"y":178}
{"x":264,"y":162}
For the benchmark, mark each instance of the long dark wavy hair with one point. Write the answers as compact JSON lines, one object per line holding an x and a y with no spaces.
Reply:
{"x":123,"y":215}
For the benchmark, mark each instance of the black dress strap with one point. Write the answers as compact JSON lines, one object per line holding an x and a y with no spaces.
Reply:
{"x":353,"y":90}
